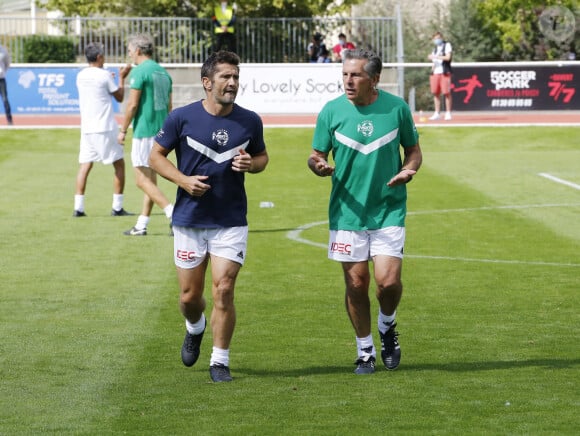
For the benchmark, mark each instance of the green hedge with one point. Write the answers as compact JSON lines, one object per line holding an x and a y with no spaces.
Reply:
{"x":49,"y":49}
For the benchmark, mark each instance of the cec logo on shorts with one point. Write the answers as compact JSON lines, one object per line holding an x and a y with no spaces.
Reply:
{"x":358,"y":246}
{"x":185,"y":256}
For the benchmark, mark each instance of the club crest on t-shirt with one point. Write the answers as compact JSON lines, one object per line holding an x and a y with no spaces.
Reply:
{"x":366,"y":128}
{"x":221,"y":137}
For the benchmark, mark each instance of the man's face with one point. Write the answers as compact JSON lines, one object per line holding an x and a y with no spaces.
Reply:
{"x":225,"y":84}
{"x":358,"y":86}
{"x":132,"y":52}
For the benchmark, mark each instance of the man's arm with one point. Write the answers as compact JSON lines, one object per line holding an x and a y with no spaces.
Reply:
{"x":119,"y":94}
{"x":411,"y":164}
{"x":130,"y":111}
{"x":259,"y":162}
{"x":159,"y":162}
{"x":244,"y":163}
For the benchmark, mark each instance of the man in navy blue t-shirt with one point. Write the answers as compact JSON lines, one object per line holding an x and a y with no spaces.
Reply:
{"x":216,"y":142}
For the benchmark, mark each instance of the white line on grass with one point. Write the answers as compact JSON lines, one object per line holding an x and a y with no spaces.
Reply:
{"x":475,"y":209}
{"x":558,"y":180}
{"x":295,"y":235}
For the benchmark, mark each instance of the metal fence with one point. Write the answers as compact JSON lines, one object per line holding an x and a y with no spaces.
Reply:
{"x":189,"y":40}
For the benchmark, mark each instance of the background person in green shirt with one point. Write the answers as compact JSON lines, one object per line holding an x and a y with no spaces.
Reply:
{"x":148,"y":105}
{"x":364,"y":129}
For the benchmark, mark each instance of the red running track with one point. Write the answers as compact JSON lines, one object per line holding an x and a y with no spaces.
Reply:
{"x":527,"y":118}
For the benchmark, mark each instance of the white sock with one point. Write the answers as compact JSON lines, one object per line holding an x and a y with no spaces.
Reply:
{"x":386,"y":321}
{"x":168,"y":210}
{"x":117,"y":202}
{"x":219,"y":355}
{"x":366,"y":347}
{"x":142,"y":222}
{"x":197,"y":327}
{"x":80,"y":202}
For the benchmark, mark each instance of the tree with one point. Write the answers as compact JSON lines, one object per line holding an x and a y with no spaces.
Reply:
{"x":516,"y":23}
{"x":473,"y":38}
{"x":197,"y":8}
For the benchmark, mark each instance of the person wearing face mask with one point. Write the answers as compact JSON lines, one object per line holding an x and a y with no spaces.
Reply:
{"x":342,"y":45}
{"x":440,"y":79}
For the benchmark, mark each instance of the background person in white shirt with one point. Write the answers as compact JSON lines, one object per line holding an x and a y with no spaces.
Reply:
{"x":440,"y":79}
{"x":99,"y":128}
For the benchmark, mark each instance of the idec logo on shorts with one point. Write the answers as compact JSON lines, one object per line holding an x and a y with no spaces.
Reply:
{"x":185,"y":256}
{"x":340,"y":247}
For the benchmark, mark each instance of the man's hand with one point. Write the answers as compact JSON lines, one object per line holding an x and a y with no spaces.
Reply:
{"x":195,"y":186}
{"x":125,"y":70}
{"x":402,"y":177}
{"x":320,"y":166}
{"x":242,"y":163}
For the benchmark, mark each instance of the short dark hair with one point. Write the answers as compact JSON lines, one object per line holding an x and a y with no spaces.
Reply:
{"x":93,"y":50}
{"x":374,"y":64}
{"x":208,"y":68}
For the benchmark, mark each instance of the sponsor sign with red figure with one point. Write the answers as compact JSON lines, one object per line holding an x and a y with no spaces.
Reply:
{"x":524,"y":87}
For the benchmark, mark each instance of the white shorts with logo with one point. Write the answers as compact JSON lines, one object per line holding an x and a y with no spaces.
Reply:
{"x":140,"y":151}
{"x":359,"y":246}
{"x":191,"y":246}
{"x":100,"y":147}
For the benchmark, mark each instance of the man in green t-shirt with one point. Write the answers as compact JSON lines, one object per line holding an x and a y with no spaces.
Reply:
{"x":148,"y":105}
{"x":365,"y":129}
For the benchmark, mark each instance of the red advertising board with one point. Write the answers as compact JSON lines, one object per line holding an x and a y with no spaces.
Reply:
{"x":521,"y":87}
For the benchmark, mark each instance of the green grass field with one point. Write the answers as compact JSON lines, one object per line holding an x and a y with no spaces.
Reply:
{"x":489,"y":320}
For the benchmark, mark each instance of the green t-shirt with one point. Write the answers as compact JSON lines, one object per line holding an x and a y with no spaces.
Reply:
{"x":155,"y":85}
{"x":364,"y":141}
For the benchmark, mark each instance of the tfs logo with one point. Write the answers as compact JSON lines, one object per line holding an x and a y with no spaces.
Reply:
{"x":50,"y":79}
{"x":340,"y":247}
{"x":185,"y":256}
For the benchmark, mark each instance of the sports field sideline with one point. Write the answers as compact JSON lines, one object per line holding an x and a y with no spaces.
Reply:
{"x":519,"y":118}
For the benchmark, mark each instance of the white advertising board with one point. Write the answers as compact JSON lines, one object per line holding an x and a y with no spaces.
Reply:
{"x":288,"y":88}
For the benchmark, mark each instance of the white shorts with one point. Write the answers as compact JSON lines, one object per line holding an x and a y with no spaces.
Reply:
{"x":359,"y":246}
{"x":140,"y":151}
{"x":100,"y":147}
{"x":191,"y":246}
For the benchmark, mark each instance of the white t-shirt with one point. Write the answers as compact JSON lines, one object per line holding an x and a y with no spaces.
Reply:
{"x":438,"y":63}
{"x":95,"y":87}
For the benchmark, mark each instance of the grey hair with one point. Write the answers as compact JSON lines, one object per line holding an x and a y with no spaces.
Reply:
{"x":93,"y":50}
{"x":374,"y":65}
{"x":143,"y":42}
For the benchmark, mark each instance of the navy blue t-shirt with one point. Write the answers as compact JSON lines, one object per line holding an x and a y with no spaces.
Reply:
{"x":205,"y":145}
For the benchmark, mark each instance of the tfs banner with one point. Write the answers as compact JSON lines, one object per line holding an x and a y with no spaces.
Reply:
{"x":525,"y":87}
{"x":45,"y":90}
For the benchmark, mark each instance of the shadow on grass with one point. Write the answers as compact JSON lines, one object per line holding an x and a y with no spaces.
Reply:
{"x":446,"y":367}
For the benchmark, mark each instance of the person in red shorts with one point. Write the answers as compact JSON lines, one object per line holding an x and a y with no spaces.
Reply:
{"x":440,"y":79}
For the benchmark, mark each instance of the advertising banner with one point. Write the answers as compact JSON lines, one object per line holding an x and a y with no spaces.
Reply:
{"x":526,"y":87}
{"x":289,"y":88}
{"x":45,"y":90}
